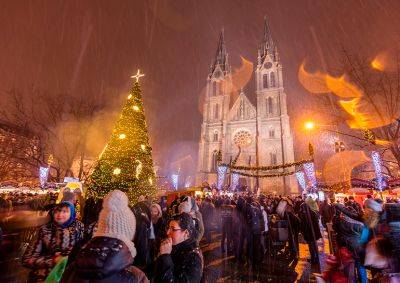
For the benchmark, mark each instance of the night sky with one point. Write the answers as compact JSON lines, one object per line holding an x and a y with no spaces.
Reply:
{"x":93,"y":47}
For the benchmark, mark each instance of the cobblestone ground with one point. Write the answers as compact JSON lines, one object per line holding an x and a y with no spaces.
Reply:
{"x":223,"y":267}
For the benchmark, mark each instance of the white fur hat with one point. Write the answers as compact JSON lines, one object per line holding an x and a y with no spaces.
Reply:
{"x":116,"y":220}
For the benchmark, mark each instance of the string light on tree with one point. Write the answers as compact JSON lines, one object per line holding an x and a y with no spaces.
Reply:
{"x":138,"y":168}
{"x":124,"y":155}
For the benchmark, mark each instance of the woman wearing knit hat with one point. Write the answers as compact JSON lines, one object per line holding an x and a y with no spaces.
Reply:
{"x":55,"y":240}
{"x":109,"y":255}
{"x":180,"y":259}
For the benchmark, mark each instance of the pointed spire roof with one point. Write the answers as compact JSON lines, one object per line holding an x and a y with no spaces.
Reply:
{"x":221,"y":56}
{"x":267,"y":46}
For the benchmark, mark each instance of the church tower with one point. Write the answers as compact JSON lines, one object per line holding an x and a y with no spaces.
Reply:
{"x":215,"y":112}
{"x":260,"y":133}
{"x":275,"y":143}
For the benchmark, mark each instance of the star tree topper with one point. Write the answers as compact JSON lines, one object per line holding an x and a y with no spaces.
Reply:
{"x":137,"y":76}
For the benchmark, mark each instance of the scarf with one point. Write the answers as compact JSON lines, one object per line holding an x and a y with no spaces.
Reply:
{"x":72,"y":216}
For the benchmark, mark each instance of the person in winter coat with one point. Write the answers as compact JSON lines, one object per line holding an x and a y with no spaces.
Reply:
{"x":227,"y":222}
{"x":189,"y":206}
{"x":55,"y":240}
{"x":308,"y":214}
{"x":207,"y":211}
{"x":327,"y":211}
{"x":180,"y":258}
{"x":109,"y":255}
{"x":142,"y":239}
{"x":348,"y":226}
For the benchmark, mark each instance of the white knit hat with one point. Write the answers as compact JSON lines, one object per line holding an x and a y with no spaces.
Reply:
{"x":185,"y":206}
{"x":116,"y":220}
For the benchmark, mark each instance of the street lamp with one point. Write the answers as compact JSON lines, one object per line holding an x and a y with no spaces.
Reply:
{"x":309,"y":125}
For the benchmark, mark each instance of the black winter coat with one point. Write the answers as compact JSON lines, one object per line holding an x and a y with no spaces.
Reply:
{"x":348,"y":231}
{"x":309,"y":223}
{"x":104,"y":260}
{"x":183,"y":265}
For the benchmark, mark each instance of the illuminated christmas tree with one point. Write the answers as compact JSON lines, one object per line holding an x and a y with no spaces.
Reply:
{"x":126,"y":163}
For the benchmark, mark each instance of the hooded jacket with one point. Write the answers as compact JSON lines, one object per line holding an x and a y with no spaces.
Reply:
{"x":104,"y":260}
{"x":348,"y":229}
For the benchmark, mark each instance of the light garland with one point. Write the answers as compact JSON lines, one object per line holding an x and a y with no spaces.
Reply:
{"x":267,"y":168}
{"x":221,"y":172}
{"x":265,"y":175}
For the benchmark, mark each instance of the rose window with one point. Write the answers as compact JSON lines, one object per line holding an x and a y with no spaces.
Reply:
{"x":242,"y":138}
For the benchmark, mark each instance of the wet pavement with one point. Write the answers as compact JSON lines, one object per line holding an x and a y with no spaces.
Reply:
{"x":223,"y":267}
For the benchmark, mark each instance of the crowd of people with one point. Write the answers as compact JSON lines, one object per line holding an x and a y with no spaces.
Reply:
{"x":153,"y":241}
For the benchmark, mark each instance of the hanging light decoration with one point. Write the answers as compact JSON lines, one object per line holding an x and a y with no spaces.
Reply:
{"x":135,"y":107}
{"x":301,"y":179}
{"x":122,"y":136}
{"x":221,"y":171}
{"x":43,"y":175}
{"x":117,"y":171}
{"x":175,"y":180}
{"x":234,"y":180}
{"x":376,"y":160}
{"x":310,"y":173}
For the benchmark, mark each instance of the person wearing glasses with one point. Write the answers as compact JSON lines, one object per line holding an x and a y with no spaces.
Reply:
{"x":180,"y":259}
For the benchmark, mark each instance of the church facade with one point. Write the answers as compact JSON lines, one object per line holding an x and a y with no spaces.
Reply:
{"x":262,"y":131}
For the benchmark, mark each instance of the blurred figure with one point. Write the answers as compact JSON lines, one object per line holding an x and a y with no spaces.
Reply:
{"x":308,"y":214}
{"x":55,"y":241}
{"x":109,"y":255}
{"x":207,"y":211}
{"x":226,"y":223}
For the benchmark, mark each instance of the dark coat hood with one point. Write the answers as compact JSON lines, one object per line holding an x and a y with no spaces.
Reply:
{"x":102,"y":257}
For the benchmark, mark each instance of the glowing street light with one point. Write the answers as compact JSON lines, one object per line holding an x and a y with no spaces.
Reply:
{"x":309,"y":125}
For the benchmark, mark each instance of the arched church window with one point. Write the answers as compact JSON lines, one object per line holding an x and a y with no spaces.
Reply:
{"x":215,"y":136}
{"x":272,"y":157}
{"x":214,"y":161}
{"x":265,"y":81}
{"x":214,"y":88}
{"x":216,"y":111}
{"x":241,"y":109}
{"x":271,"y":133}
{"x":272,"y":79}
{"x":270,"y":105}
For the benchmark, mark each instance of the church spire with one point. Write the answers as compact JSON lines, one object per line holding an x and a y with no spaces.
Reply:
{"x":267,"y":46}
{"x":221,"y":56}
